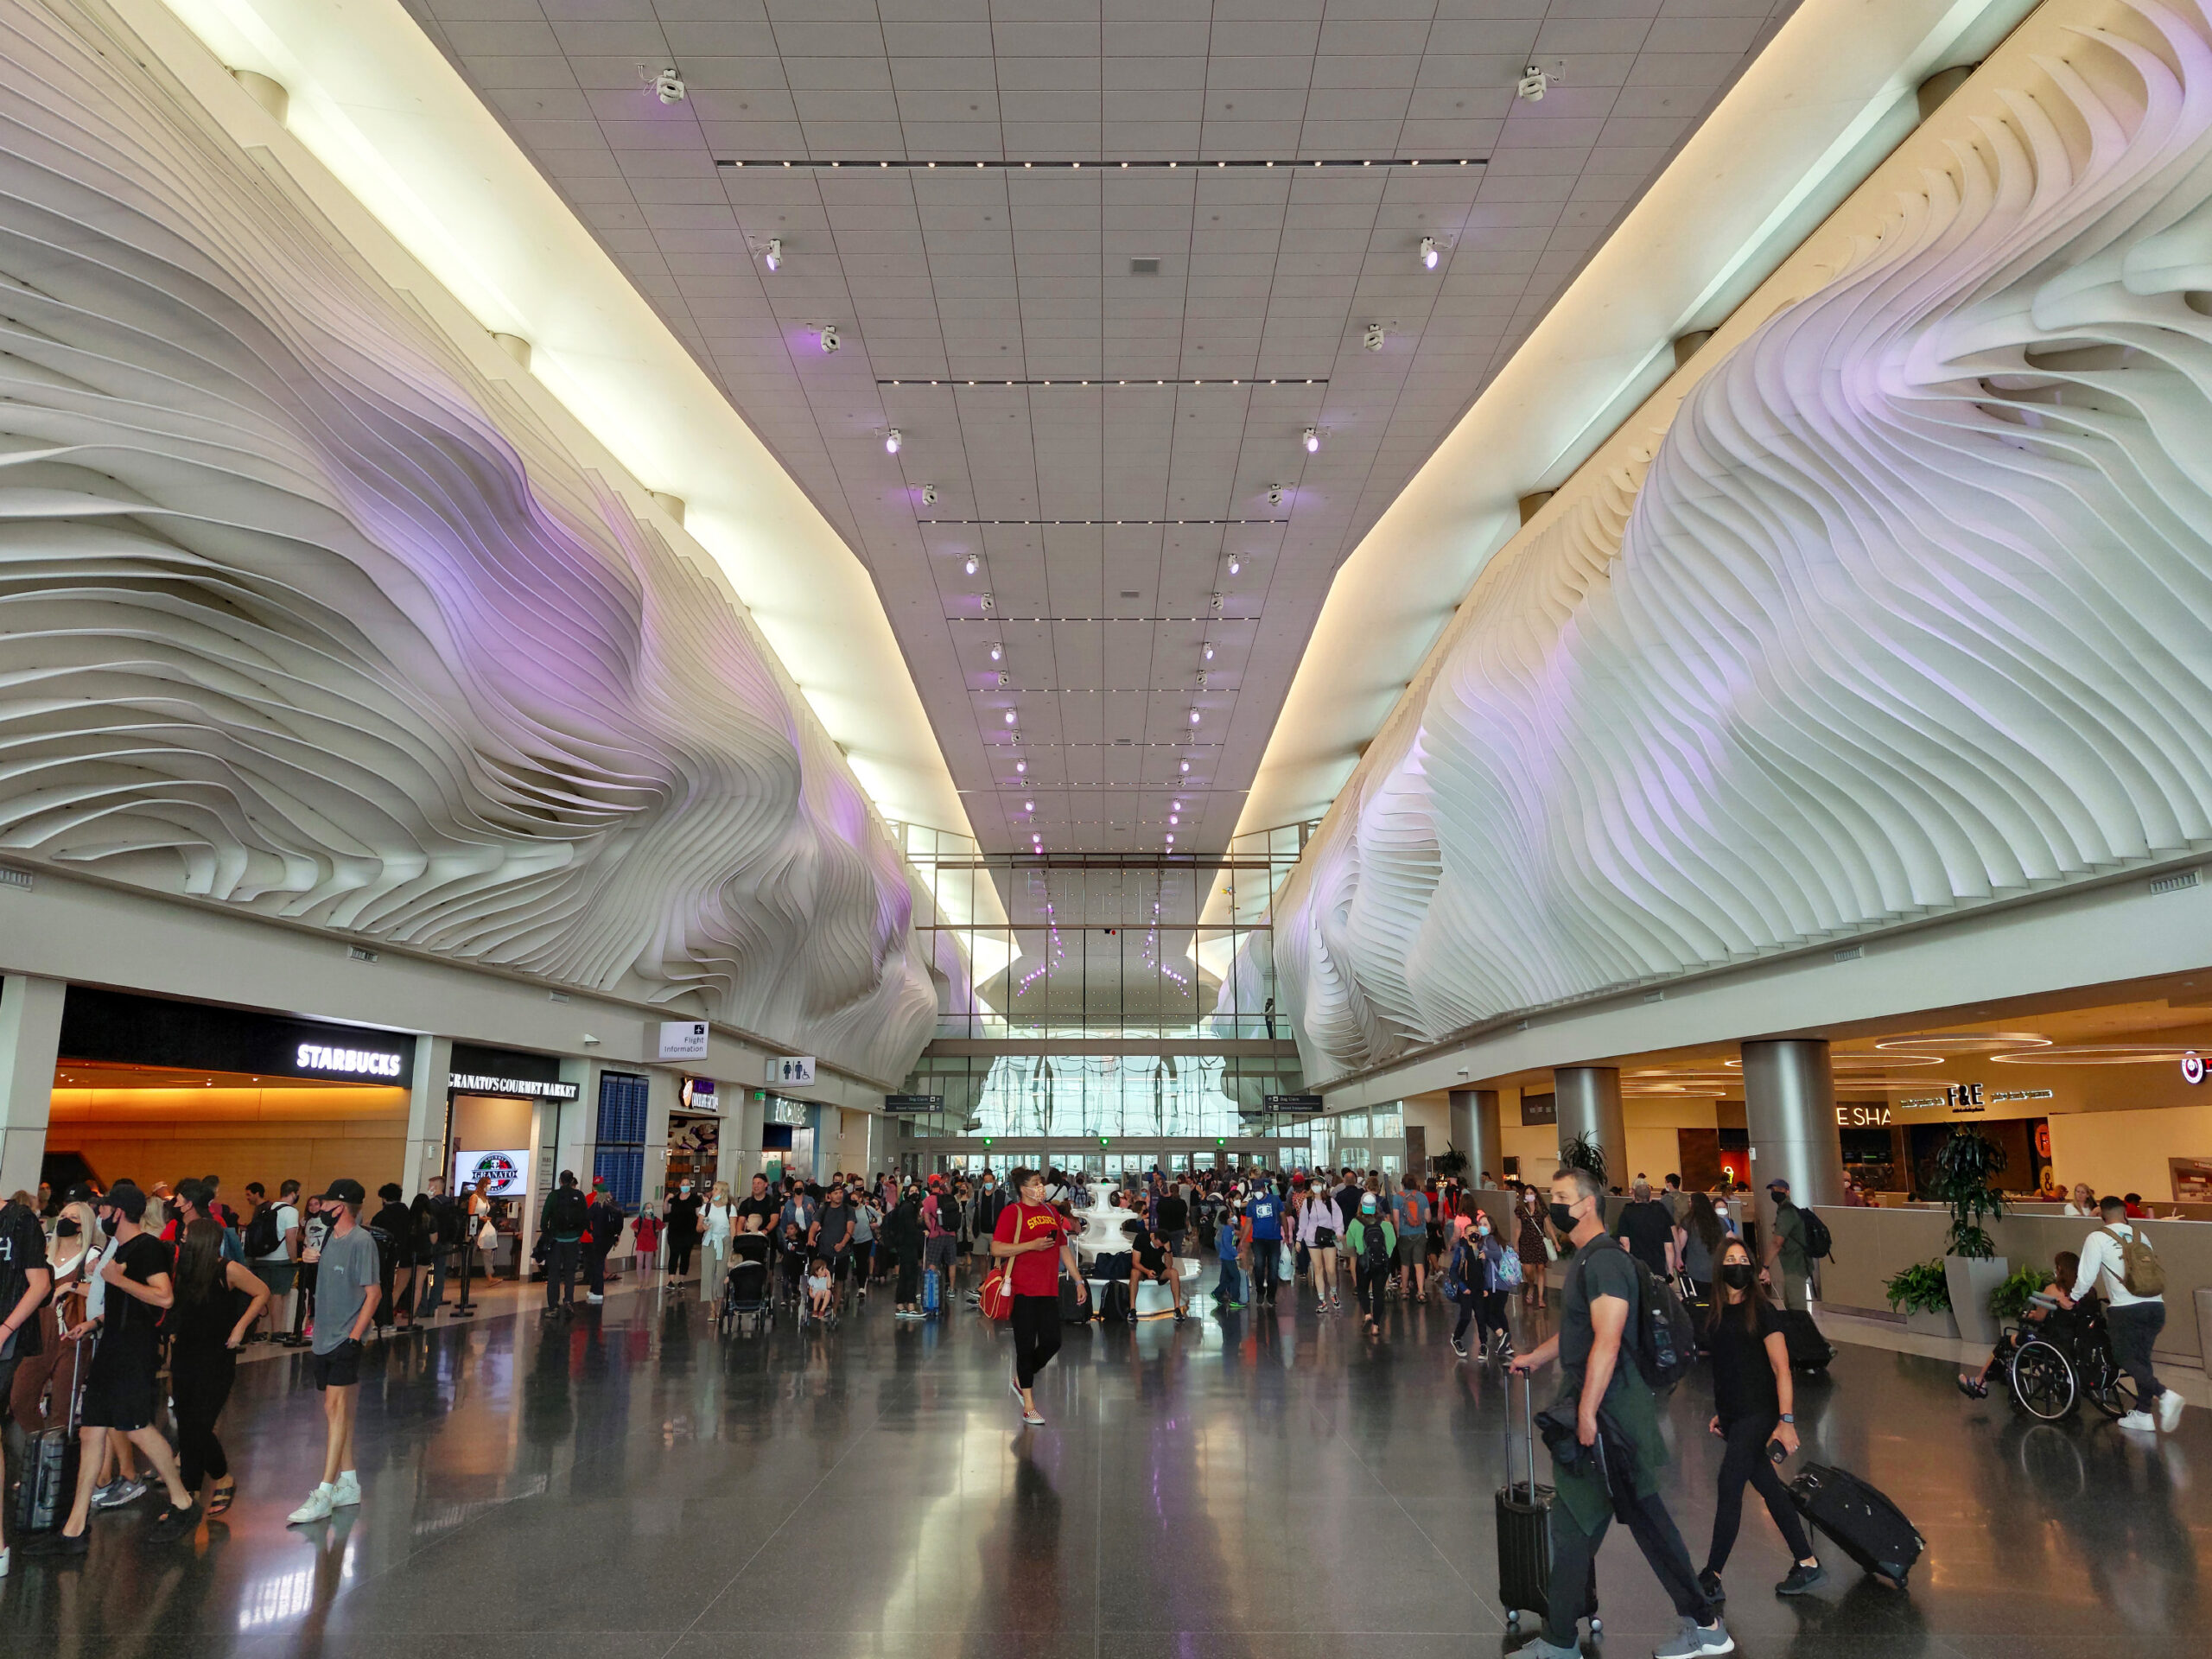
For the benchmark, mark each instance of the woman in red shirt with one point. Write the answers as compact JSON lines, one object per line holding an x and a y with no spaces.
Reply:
{"x":1028,"y":1230}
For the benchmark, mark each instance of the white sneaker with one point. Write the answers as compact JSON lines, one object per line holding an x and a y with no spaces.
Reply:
{"x":317,"y":1507}
{"x":2170,"y":1405}
{"x":2142,"y":1419}
{"x":594,"y":1300}
{"x":348,"y":1491}
{"x":4,"y":1556}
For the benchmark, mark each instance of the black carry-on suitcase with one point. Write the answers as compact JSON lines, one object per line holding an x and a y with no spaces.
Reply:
{"x":1809,"y":1350}
{"x":48,"y":1488}
{"x":1073,"y":1310}
{"x":1866,"y":1525}
{"x":1524,"y":1525}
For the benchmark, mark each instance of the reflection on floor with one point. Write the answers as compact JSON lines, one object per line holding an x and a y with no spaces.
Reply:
{"x":631,"y":1485}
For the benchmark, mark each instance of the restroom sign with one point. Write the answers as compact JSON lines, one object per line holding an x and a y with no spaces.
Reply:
{"x":791,"y":1070}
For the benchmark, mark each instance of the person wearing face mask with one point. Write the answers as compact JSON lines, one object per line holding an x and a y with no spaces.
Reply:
{"x":1752,"y":1400}
{"x":1600,"y":1292}
{"x":1535,"y":1247}
{"x":1479,"y":1261}
{"x":683,"y":1222}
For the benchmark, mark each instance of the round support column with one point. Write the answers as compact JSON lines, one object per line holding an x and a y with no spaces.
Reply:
{"x":1589,"y":1098}
{"x":1789,"y":1118}
{"x":1475,"y":1132}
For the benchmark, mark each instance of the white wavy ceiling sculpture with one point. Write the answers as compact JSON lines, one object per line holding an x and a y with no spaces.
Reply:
{"x":302,"y":611}
{"x":1910,"y":606}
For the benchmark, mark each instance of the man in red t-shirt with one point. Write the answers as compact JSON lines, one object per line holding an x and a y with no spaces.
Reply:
{"x":1031,"y":1233}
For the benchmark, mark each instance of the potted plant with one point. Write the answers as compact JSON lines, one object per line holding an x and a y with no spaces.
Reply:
{"x":1450,"y":1163}
{"x":1583,"y":1152}
{"x":1966,"y":1168}
{"x":1923,"y":1293}
{"x":2010,"y":1299}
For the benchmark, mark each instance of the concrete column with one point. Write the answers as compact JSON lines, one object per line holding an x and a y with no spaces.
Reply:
{"x":1475,"y":1129}
{"x":1590,"y":1102}
{"x":427,"y":1127}
{"x":1789,"y":1116}
{"x":30,"y":1043}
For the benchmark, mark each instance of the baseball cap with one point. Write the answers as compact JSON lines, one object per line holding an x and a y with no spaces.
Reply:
{"x":125,"y":1198}
{"x":1777,"y":1184}
{"x":344,"y":1190}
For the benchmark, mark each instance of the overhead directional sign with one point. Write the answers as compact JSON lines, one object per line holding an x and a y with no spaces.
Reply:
{"x":1292,"y":1102}
{"x":789,"y":1070}
{"x":913,"y":1105}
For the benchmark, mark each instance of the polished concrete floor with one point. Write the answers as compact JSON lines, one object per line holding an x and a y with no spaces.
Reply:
{"x":630,"y":1484}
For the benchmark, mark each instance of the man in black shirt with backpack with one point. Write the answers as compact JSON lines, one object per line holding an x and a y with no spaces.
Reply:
{"x":562,"y":1224}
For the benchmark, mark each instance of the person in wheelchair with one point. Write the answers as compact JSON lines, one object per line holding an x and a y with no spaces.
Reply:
{"x":2060,"y":1325}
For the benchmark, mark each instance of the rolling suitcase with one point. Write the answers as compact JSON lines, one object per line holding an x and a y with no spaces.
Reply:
{"x":49,"y":1487}
{"x":932,"y":1294}
{"x":1866,"y":1525}
{"x":1524,"y":1526}
{"x":1809,"y":1350}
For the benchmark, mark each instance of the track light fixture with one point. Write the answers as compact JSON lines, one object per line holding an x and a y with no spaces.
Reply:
{"x":1021,"y":765}
{"x":1194,"y":716}
{"x":891,"y":441}
{"x":830,"y":337}
{"x":997,"y":653}
{"x":1312,"y":440}
{"x":774,"y":258}
{"x":1208,"y":651}
{"x":1009,"y":716}
{"x":1185,"y":765}
{"x":1430,"y":253}
{"x":969,"y":564}
{"x":1236,"y":565}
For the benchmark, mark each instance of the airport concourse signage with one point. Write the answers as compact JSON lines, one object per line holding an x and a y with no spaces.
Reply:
{"x":477,"y":1071}
{"x":1967,"y":1098}
{"x":123,"y":1029}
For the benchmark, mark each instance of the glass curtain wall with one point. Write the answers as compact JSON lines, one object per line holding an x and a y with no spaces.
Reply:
{"x":1093,"y":951}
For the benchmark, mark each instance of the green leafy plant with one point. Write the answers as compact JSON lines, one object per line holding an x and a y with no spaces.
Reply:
{"x":1451,"y":1162}
{"x":1967,"y":1168}
{"x":2010,"y":1299}
{"x":1920,"y":1288}
{"x":1583,"y":1152}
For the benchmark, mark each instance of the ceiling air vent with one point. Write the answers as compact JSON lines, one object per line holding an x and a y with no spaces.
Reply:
{"x":1131,"y":593}
{"x":2174,"y":883}
{"x":1144,"y":267}
{"x":1123,"y":742}
{"x":11,"y":877}
{"x":360,"y":953}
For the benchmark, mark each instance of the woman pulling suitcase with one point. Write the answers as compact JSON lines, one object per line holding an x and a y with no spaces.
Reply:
{"x":1753,"y":1399}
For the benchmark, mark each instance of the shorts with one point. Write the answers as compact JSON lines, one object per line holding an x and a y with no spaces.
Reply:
{"x":8,"y":1374}
{"x":123,"y":1397}
{"x":338,"y":1369}
{"x":277,"y":1275}
{"x":1174,"y":1243}
{"x":1411,"y":1252}
{"x":941,"y":1252}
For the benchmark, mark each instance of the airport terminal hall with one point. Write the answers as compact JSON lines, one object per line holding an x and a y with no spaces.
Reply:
{"x":1092,"y":828}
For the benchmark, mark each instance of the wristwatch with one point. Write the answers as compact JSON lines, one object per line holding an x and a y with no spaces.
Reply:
{"x":1787,"y":1418}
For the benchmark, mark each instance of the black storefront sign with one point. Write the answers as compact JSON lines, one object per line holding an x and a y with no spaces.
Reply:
{"x":121,"y":1029}
{"x":1539,"y":1109}
{"x":1292,"y":1104}
{"x":477,"y":1071}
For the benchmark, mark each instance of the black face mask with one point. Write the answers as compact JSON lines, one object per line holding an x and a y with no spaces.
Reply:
{"x":66,"y":1228}
{"x":1563,"y":1217}
{"x":107,"y":1227}
{"x":1737,"y":1275}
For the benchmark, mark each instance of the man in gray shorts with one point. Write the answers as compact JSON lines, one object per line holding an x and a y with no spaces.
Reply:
{"x":347,"y":1284}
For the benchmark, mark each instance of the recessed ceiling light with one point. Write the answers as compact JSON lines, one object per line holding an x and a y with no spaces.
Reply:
{"x":1009,"y":716}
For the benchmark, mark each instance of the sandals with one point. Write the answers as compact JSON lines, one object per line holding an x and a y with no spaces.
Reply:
{"x":1973,"y":1388}
{"x":221,"y":1498}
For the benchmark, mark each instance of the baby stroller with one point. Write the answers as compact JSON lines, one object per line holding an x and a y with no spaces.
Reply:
{"x":747,"y":1302}
{"x":806,"y":1315}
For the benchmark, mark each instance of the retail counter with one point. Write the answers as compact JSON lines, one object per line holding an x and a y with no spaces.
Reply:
{"x":1872,"y":1244}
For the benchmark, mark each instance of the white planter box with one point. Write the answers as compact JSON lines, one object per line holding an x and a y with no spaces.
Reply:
{"x":1971,"y":1283}
{"x":1938,"y":1324}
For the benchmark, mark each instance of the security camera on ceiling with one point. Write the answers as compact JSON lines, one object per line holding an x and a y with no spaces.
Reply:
{"x":1373,"y":341}
{"x":668,"y":87}
{"x":830,"y":337}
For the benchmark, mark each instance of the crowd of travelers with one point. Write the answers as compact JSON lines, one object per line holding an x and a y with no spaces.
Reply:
{"x":117,"y":1303}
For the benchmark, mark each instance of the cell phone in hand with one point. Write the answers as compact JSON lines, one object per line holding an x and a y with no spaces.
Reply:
{"x":1777,"y":1451}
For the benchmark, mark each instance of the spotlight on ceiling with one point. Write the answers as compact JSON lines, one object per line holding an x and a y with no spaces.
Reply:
{"x":1009,"y":716}
{"x":1171,"y":840}
{"x":1236,"y":566}
{"x":929,"y":495}
{"x":1312,"y":440}
{"x":969,"y":564}
{"x":1274,"y":495}
{"x":892,"y":440}
{"x":1174,"y":817}
{"x":1021,"y":765}
{"x":1178,"y":807}
{"x":830,"y":337}
{"x":668,"y":85}
{"x":1185,"y":765}
{"x":997,"y":653}
{"x":1194,"y":716}
{"x":1430,"y":253}
{"x":1373,"y":341}
{"x":774,"y":258}
{"x":1209,"y":648}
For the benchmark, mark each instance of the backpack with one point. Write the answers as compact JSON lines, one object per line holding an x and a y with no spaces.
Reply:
{"x":1459,"y":1284}
{"x":427,"y":1230}
{"x":1666,"y":1336}
{"x":1819,"y":1246}
{"x":1374,"y":1244}
{"x":2140,"y":1270}
{"x":1509,"y":1268}
{"x":261,"y":1239}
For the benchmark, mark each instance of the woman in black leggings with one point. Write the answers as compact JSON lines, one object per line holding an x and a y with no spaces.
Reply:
{"x":1751,"y":1398}
{"x":217,"y":1303}
{"x":1031,"y":1239}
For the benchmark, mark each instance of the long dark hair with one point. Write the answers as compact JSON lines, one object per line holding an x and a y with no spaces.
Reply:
{"x":200,"y":1261}
{"x":1746,"y":1312}
{"x":1704,"y":1222}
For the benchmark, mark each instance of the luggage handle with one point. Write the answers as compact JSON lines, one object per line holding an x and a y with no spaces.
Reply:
{"x":1529,"y":1414}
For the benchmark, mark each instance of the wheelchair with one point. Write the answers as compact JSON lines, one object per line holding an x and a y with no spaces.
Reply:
{"x":2053,"y":1365}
